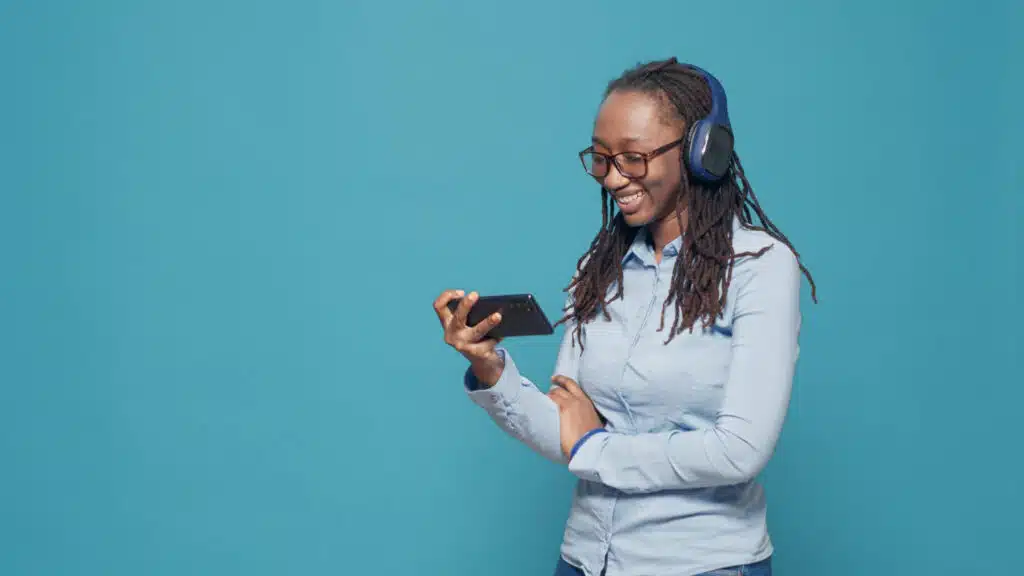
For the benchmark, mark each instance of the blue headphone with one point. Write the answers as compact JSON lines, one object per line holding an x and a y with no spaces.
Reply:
{"x":709,"y":144}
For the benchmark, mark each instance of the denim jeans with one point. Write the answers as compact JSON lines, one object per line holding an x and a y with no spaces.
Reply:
{"x":762,"y":568}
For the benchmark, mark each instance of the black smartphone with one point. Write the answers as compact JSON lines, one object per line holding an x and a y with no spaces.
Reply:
{"x":521,"y":315}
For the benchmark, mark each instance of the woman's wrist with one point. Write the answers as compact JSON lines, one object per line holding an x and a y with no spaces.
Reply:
{"x":489,"y":371}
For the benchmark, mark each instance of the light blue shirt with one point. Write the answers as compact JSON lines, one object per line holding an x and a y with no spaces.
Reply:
{"x":671,"y":488}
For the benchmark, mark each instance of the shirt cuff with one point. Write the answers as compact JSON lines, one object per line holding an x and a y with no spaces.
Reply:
{"x":586,"y":455}
{"x":579,"y":443}
{"x":473,"y":384}
{"x":505,"y":391}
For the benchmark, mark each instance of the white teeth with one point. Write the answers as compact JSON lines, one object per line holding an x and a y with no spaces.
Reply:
{"x":629,"y":199}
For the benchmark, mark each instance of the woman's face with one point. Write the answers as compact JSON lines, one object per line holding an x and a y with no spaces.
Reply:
{"x":636,"y":122}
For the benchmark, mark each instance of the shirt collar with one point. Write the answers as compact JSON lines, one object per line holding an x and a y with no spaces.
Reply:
{"x":642,"y":250}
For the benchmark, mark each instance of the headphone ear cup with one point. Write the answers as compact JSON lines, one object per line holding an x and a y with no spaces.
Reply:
{"x":709,"y":151}
{"x":692,"y":156}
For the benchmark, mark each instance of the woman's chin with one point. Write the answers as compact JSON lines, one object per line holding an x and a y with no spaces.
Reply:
{"x":637,"y":219}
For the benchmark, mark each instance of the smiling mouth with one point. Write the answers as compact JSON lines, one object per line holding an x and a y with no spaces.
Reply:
{"x":629,"y":200}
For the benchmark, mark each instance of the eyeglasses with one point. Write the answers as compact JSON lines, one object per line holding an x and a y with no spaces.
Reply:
{"x":629,"y":164}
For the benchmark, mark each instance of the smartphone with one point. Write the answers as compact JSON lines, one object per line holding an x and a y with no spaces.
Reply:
{"x":521,"y":315}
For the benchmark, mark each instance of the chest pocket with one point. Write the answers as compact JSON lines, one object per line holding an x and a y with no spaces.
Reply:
{"x":646,"y":385}
{"x":682,"y":383}
{"x":606,"y":349}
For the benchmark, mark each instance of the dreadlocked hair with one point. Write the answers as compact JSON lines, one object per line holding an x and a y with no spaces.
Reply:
{"x":703,"y":271}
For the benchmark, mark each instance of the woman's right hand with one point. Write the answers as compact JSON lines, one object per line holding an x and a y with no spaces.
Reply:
{"x":471,"y":341}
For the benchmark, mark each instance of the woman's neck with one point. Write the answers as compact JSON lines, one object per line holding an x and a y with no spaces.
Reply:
{"x":663,"y":232}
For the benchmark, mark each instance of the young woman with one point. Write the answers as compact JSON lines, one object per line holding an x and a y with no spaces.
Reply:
{"x":674,"y":375}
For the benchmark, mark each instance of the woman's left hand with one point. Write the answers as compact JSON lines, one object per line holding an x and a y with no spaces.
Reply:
{"x":577,"y":414}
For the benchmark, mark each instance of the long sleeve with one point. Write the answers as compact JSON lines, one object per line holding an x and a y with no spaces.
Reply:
{"x":738,"y":445}
{"x":521,"y":409}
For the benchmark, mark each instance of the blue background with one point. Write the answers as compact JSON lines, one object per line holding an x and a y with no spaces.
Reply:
{"x":222,"y":225}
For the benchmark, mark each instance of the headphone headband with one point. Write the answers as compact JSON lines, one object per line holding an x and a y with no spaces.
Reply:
{"x":719,"y":105}
{"x":710,"y":140}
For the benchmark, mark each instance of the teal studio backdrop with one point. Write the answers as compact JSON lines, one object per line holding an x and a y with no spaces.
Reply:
{"x":223,"y":223}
